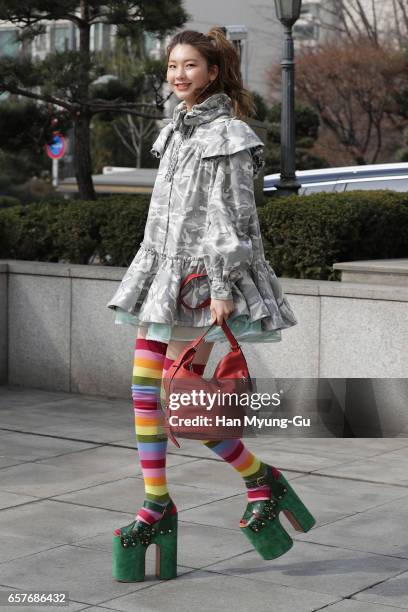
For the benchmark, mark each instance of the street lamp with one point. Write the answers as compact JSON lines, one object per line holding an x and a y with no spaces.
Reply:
{"x":288,"y":11}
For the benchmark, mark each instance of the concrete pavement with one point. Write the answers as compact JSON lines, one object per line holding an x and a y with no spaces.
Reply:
{"x":69,"y":475}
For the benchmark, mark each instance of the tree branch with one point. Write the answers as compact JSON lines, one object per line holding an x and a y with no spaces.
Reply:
{"x":37,"y":18}
{"x":98,"y":105}
{"x":371,"y":31}
{"x":43,"y":97}
{"x":117,"y":109}
{"x":123,"y":139}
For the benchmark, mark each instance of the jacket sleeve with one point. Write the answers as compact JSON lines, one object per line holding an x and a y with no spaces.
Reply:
{"x":227,"y":245}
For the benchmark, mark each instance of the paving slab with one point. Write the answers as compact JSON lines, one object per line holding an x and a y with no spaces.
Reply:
{"x":397,"y":507}
{"x":20,"y":420}
{"x":7,"y":499}
{"x":334,"y":498}
{"x":189,"y":448}
{"x":122,"y":461}
{"x":18,"y":397}
{"x":79,"y":429}
{"x":351,"y":447}
{"x":192,"y":447}
{"x":388,"y":467}
{"x":202,"y":591}
{"x":97,"y":609}
{"x":73,"y":471}
{"x":84,"y":573}
{"x":73,"y":417}
{"x":63,"y":409}
{"x":41,"y":480}
{"x":313,"y":567}
{"x":57,"y":522}
{"x":29,"y":447}
{"x":15,"y":545}
{"x":86,"y":430}
{"x":128,"y":442}
{"x":380,"y":530}
{"x":127,"y":495}
{"x":9,"y":461}
{"x":113,"y":412}
{"x":392,"y":592}
{"x":350,"y":605}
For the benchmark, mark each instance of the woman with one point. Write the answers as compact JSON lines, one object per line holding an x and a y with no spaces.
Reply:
{"x":202,"y":219}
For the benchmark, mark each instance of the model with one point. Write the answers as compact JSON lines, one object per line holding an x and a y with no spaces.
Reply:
{"x":202,"y":219}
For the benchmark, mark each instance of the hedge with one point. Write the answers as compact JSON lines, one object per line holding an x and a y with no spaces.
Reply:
{"x":74,"y":231}
{"x":303,"y":236}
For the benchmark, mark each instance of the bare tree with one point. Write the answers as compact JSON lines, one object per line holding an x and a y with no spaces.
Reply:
{"x":352,"y":87}
{"x":373,"y":20}
{"x":133,"y":132}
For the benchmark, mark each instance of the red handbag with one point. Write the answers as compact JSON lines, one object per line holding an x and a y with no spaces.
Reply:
{"x":214,"y":419}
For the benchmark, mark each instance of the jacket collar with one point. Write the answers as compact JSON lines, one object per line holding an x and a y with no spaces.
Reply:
{"x":214,"y":106}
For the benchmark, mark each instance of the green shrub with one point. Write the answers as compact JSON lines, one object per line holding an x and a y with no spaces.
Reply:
{"x":37,"y":231}
{"x":10,"y":232}
{"x":304,"y":236}
{"x":122,"y":229}
{"x":75,"y":230}
{"x":8,"y":201}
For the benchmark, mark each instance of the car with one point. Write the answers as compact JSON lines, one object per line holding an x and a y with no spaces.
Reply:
{"x":347,"y":178}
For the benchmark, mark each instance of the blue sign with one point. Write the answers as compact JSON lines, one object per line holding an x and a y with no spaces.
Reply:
{"x":56,"y":149}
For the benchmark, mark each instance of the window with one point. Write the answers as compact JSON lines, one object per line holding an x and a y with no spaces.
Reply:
{"x":150,"y":42}
{"x":305,"y":30}
{"x":97,"y":36}
{"x":308,"y":189}
{"x":396,"y":184}
{"x":9,"y":45}
{"x":61,"y":38}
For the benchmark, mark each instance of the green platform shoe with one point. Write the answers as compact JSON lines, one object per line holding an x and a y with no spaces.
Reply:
{"x":260,"y":522}
{"x":129,"y":547}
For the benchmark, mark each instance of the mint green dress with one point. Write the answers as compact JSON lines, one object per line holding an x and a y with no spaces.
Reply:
{"x":243,"y":330}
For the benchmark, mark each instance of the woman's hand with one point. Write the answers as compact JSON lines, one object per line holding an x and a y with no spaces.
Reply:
{"x":220,"y":310}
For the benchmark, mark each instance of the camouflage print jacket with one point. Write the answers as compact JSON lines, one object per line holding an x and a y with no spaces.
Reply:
{"x":202,"y":218}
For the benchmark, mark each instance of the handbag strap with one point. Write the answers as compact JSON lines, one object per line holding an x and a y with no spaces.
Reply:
{"x":234,"y":344}
{"x":189,"y":278}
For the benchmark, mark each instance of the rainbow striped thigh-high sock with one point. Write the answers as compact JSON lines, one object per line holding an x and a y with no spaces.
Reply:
{"x":151,"y":438}
{"x":246,"y":463}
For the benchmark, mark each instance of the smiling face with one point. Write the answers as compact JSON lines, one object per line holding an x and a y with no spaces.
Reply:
{"x":188,"y":74}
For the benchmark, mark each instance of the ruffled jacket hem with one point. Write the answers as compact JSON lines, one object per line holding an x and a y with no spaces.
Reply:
{"x":151,"y":286}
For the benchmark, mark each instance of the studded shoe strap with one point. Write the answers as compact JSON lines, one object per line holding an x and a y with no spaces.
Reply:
{"x":150,"y":505}
{"x":278,"y":489}
{"x":258,"y":482}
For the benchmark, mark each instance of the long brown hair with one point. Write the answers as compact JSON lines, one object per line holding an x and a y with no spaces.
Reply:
{"x":217,"y":49}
